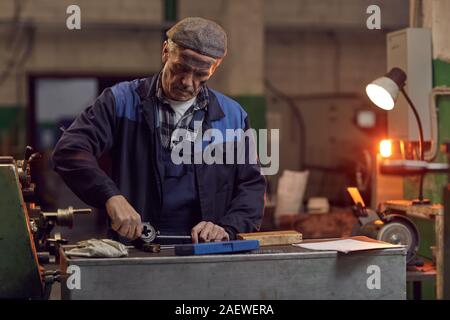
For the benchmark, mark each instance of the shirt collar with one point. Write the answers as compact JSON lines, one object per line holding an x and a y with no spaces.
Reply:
{"x":202,"y":96}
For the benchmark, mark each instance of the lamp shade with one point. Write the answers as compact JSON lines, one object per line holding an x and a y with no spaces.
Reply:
{"x":384,"y":91}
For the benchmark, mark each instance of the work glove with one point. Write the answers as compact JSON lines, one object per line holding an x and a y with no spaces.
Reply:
{"x":99,"y":248}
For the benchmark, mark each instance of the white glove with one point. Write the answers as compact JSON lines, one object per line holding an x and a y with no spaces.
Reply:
{"x":100,"y":248}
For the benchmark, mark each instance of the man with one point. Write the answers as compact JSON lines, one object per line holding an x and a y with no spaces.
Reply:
{"x":138,"y":121}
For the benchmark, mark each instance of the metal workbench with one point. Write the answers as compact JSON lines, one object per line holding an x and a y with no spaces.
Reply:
{"x":278,"y":272}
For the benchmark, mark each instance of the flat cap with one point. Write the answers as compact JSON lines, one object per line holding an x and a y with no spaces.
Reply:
{"x":201,"y":35}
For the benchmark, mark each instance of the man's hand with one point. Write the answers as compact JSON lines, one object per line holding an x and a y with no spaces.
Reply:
{"x":125,"y":220}
{"x":207,"y":231}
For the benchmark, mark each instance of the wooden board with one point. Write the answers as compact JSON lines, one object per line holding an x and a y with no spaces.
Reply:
{"x":422,"y":211}
{"x":273,"y":237}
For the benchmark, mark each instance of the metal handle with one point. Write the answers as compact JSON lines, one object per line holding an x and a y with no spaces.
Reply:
{"x":149,"y":234}
{"x":160,"y":236}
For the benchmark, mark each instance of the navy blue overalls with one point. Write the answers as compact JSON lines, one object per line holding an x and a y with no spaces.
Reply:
{"x":181,"y":205}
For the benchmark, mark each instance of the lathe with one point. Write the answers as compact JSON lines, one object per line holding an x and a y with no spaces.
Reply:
{"x":26,"y":245}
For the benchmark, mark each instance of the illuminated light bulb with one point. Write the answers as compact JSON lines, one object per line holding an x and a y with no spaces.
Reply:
{"x":380,"y":96}
{"x":386,"y":148}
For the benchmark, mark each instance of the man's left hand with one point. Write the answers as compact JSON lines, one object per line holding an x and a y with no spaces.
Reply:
{"x":206,"y":231}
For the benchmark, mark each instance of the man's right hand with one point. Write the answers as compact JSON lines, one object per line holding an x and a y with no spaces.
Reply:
{"x":124,"y":219}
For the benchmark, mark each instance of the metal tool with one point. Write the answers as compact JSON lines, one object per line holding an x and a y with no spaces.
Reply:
{"x":149,"y":234}
{"x":149,"y":247}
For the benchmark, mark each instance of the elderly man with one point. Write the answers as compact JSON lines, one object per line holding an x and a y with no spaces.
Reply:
{"x":137,"y":123}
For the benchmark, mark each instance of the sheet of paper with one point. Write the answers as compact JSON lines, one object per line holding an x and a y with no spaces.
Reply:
{"x":290,"y":192}
{"x":347,"y":245}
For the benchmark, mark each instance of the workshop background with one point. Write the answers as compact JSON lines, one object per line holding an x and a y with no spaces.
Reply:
{"x":300,"y":66}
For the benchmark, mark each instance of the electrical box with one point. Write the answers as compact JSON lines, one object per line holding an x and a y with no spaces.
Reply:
{"x":410,"y":50}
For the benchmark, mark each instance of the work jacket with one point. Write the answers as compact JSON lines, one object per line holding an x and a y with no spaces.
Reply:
{"x":124,"y":121}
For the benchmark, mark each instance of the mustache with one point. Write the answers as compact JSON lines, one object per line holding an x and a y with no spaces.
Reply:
{"x":189,"y":90}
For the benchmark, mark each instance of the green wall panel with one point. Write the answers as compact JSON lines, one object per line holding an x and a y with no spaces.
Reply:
{"x":170,"y":10}
{"x":255,"y":106}
{"x":10,"y":116}
{"x":433,"y":183}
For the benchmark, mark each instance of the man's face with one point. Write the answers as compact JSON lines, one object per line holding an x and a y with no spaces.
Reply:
{"x":184,"y":72}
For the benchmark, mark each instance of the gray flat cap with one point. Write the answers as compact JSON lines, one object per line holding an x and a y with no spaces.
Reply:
{"x":203,"y":36}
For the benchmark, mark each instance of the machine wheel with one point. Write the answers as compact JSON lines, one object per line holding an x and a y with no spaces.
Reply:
{"x":398,"y":229}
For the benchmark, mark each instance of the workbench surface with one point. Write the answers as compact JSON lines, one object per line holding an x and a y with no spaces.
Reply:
{"x":274,"y":272}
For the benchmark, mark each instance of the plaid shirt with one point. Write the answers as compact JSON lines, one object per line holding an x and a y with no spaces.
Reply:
{"x":167,"y":116}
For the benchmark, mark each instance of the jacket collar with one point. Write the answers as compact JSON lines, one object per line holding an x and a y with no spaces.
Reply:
{"x":147,"y":89}
{"x":214,"y":111}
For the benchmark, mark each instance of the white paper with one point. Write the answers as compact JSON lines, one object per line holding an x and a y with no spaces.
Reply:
{"x":290,"y":192}
{"x":346,"y":245}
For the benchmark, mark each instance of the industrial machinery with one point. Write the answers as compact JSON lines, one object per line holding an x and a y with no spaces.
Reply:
{"x":387,"y":226}
{"x":26,"y":245}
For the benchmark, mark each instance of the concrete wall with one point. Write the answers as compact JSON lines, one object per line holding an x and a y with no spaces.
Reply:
{"x":99,"y":47}
{"x":318,"y":53}
{"x":303,"y":47}
{"x":131,"y":46}
{"x":332,"y":14}
{"x":117,"y":37}
{"x":321,"y":55}
{"x":241,"y":72}
{"x":116,"y":11}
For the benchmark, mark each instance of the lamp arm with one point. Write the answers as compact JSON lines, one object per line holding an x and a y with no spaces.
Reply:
{"x":421,"y":151}
{"x":419,"y":123}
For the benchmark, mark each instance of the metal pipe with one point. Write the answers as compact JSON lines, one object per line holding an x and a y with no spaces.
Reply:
{"x":437,"y":91}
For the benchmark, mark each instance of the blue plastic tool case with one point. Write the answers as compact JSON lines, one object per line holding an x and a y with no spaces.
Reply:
{"x":216,"y":247}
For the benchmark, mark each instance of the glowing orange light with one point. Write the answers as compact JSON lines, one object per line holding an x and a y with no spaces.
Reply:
{"x":386,"y":148}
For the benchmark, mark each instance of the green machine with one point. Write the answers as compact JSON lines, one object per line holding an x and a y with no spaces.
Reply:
{"x":25,"y":243}
{"x":427,"y":86}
